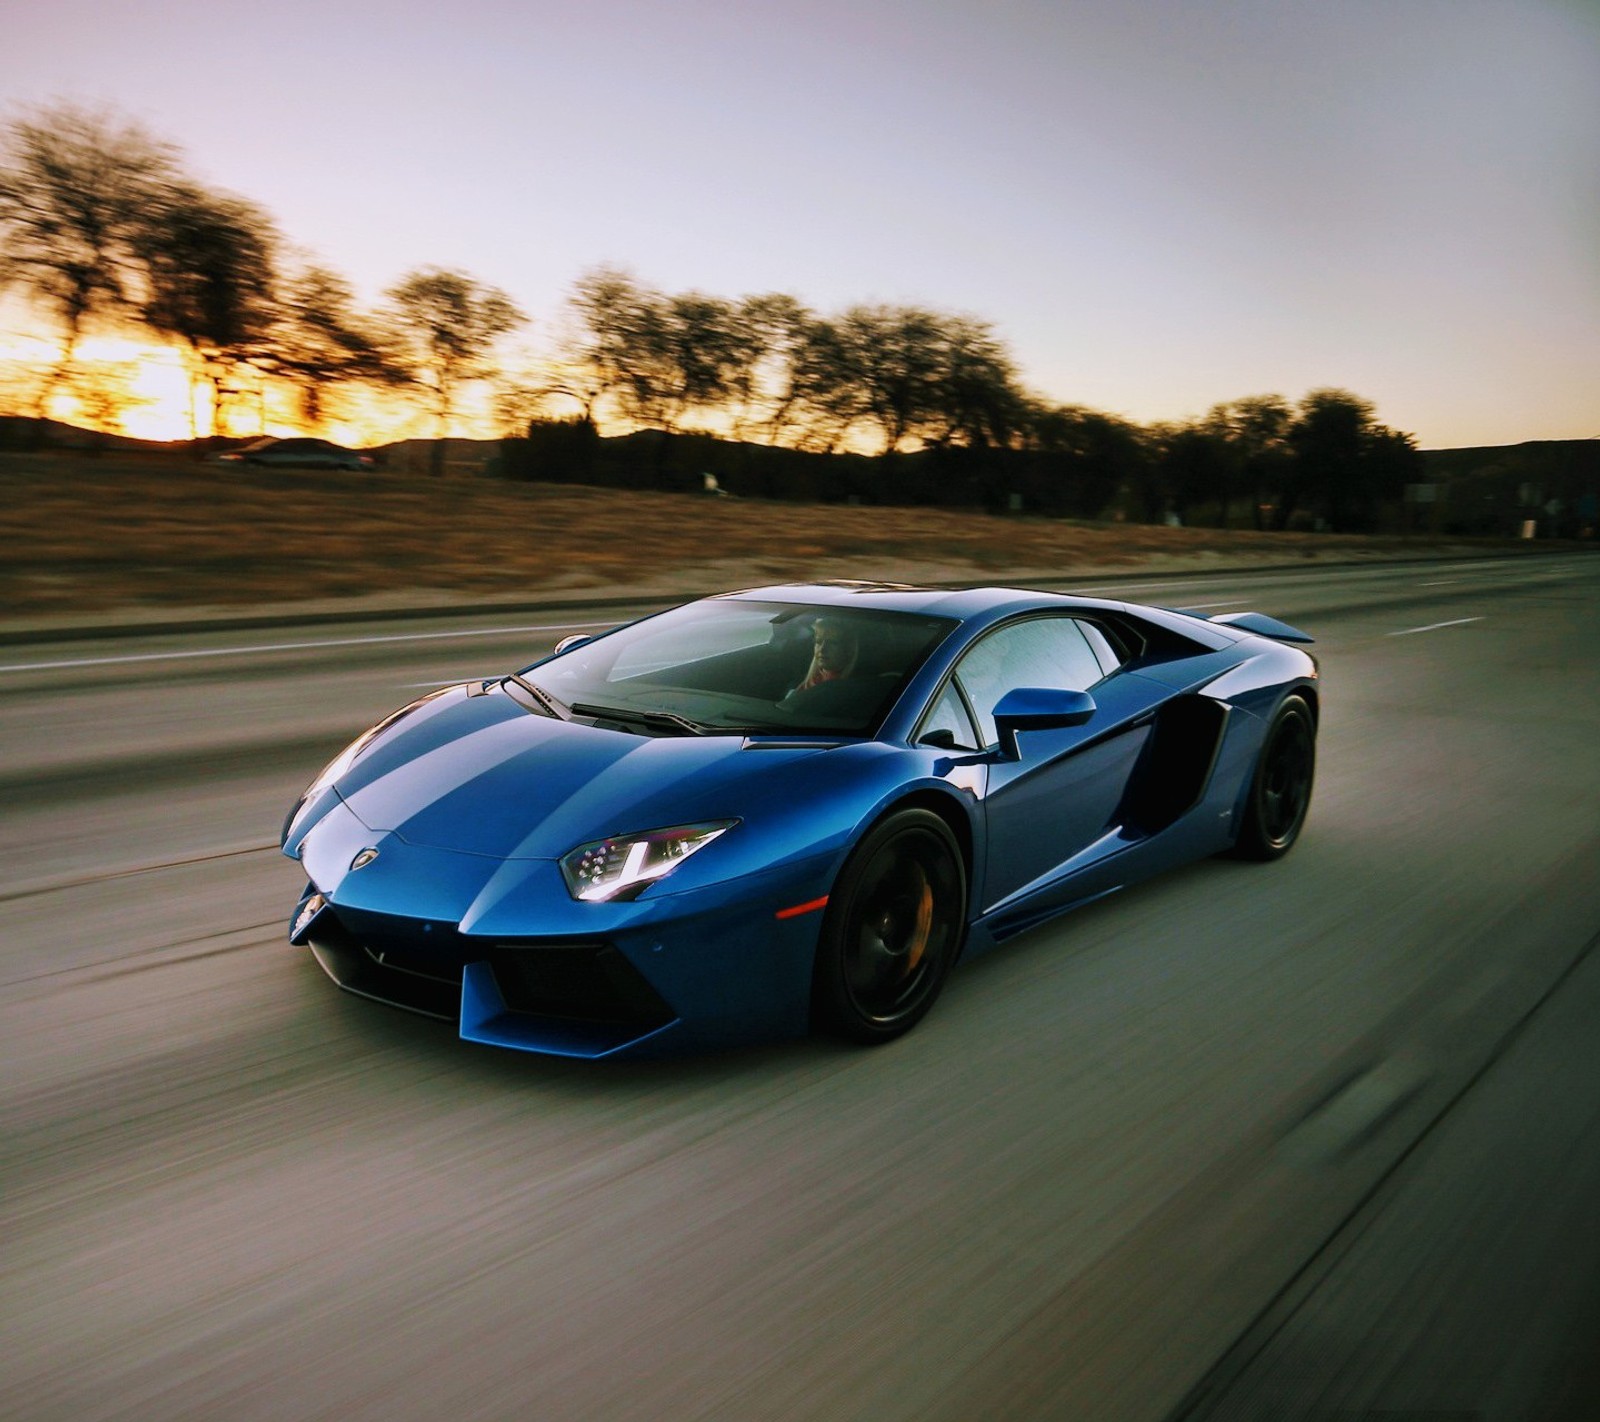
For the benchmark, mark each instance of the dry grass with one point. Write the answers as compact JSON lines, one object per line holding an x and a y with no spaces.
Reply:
{"x":93,"y":535}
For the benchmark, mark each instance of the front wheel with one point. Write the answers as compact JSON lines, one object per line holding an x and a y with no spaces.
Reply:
{"x":1280,"y":790}
{"x":893,"y":927}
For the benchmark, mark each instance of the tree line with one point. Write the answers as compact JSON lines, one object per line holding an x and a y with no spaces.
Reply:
{"x":935,"y":397}
{"x":101,"y":224}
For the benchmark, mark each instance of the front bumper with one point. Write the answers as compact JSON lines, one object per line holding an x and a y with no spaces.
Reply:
{"x":666,"y":973}
{"x":572,"y":999}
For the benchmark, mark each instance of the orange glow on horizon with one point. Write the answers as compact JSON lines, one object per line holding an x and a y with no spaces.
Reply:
{"x":123,"y":385}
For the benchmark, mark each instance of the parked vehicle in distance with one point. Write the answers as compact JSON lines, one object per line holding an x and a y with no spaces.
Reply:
{"x":297,"y":452}
{"x":789,"y":808}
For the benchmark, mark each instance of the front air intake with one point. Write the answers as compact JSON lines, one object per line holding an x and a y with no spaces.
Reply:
{"x":582,"y":982}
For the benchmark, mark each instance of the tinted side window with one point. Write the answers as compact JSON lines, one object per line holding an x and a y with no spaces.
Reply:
{"x":1046,"y":651}
{"x":948,"y":724}
{"x":1109,"y":660}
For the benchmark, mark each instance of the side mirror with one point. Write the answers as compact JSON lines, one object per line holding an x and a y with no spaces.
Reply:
{"x":577,"y":639}
{"x":1037,"y":708}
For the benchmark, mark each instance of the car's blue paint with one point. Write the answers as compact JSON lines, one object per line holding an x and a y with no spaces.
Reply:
{"x":1037,"y":708}
{"x":486,"y":1018}
{"x":1040,"y":708}
{"x":470,"y":800}
{"x":1257,"y":682}
{"x":1263,"y":626}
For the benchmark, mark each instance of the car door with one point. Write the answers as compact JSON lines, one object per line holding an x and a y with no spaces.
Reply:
{"x":1053,"y":808}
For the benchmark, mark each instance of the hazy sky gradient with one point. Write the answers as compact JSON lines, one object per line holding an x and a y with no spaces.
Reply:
{"x":1159,"y":205}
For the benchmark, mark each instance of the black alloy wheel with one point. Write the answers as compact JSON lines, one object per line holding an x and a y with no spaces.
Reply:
{"x":893,"y":927}
{"x":1280,"y":793}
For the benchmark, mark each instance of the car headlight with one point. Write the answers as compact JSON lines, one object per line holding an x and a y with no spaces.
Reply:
{"x":622,"y":866}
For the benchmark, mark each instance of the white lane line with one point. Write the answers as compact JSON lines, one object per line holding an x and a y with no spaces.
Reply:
{"x":128,"y":871}
{"x":1237,"y":602}
{"x":1441,"y":582}
{"x":294,"y":646}
{"x":1435,"y":626}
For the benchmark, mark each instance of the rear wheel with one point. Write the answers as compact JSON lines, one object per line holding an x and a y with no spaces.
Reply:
{"x":893,"y":927}
{"x":1280,"y":791}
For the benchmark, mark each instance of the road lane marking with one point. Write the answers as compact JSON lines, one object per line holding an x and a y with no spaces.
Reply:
{"x":1441,"y":582}
{"x":1237,"y":602}
{"x":1435,"y":626}
{"x":1357,"y":1110}
{"x":102,"y":969}
{"x":128,"y":871}
{"x":295,"y":646}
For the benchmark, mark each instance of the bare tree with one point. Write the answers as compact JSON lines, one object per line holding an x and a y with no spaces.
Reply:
{"x":105,"y":395}
{"x":767,"y":363}
{"x":320,"y":339}
{"x":598,"y":351}
{"x":550,"y":390}
{"x":77,"y":190}
{"x":761,"y":391}
{"x":635,"y":345}
{"x":209,"y":263}
{"x":686,"y":353}
{"x":446,"y":324}
{"x":894,"y":354}
{"x":828,"y":396}
{"x":910,"y":371}
{"x":977,"y":400}
{"x":660,"y":360}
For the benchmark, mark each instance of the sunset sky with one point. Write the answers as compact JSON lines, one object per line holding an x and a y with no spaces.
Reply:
{"x":1159,"y":204}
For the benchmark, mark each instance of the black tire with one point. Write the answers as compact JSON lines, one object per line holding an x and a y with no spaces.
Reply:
{"x":893,"y":927}
{"x":1280,"y":789}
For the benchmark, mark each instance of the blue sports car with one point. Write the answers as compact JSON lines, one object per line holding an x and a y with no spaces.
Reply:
{"x":790,"y":808}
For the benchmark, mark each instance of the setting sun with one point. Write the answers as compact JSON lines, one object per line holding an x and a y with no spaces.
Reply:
{"x":121,"y":385}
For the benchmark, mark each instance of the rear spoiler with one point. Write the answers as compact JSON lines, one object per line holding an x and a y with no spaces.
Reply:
{"x":1260,"y":624}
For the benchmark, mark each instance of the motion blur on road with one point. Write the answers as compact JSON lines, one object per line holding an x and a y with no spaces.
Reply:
{"x":1313,"y":1138}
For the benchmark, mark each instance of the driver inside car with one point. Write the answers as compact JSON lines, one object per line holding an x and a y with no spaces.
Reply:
{"x":835,"y":649}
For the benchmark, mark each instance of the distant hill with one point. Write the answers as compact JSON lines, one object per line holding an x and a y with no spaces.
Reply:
{"x":23,"y":432}
{"x":1557,"y":460}
{"x":1554,"y":482}
{"x":26,"y":432}
{"x":413,"y":456}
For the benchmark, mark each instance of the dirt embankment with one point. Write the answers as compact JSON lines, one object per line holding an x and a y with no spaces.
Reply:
{"x":85,"y":535}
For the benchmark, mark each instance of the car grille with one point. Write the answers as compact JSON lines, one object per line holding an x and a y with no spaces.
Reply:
{"x":420,"y":967}
{"x":588,"y":982}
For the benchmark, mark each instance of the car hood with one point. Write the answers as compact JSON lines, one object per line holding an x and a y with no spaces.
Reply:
{"x":479,"y":774}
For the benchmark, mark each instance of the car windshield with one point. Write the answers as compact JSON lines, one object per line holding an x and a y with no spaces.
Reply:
{"x":724,"y":667}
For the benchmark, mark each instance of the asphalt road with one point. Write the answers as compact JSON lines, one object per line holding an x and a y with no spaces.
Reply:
{"x":1308,"y":1139}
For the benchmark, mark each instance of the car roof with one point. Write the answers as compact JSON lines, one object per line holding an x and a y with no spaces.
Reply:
{"x":272,"y":441}
{"x":980,"y":607}
{"x":960,"y":603}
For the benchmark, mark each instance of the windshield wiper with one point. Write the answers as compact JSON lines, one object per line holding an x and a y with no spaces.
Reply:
{"x":665,"y":720}
{"x":547,"y":703}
